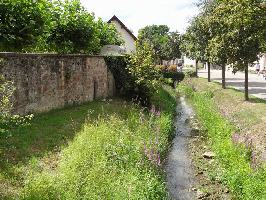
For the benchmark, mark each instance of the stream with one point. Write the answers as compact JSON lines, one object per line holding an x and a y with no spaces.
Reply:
{"x":180,"y":176}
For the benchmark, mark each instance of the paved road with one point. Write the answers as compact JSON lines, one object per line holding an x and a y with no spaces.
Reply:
{"x":257,"y":85}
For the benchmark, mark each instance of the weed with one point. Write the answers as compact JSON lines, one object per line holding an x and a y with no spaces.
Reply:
{"x":235,"y":161}
{"x":96,"y":151}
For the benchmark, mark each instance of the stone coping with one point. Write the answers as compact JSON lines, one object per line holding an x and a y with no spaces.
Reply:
{"x":15,"y":54}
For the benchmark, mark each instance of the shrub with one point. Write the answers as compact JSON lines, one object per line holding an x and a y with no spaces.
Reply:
{"x":170,"y":74}
{"x":174,"y":77}
{"x":172,"y":68}
{"x":136,"y":76}
{"x":142,"y":67}
{"x":161,"y":68}
{"x":190,"y":73}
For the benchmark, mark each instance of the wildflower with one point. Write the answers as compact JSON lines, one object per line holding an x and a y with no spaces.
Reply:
{"x":235,"y":138}
{"x":158,"y":113}
{"x":141,"y":117}
{"x":153,"y":110}
{"x":145,"y":149}
{"x":158,"y":159}
{"x":150,"y":155}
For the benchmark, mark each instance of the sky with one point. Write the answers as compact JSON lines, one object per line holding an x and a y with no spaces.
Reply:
{"x":136,"y":14}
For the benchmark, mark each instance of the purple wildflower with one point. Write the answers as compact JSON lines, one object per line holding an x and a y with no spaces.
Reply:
{"x":157,"y":139}
{"x":153,"y":110}
{"x":235,"y":138}
{"x":158,"y":113}
{"x":145,"y":149}
{"x":253,"y":159}
{"x":151,"y":155}
{"x":141,"y":117}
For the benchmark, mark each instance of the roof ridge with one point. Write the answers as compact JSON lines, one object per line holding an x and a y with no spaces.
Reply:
{"x":115,"y":18}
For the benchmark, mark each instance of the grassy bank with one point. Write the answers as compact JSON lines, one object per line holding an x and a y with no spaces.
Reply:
{"x":235,"y":165}
{"x":101,"y":150}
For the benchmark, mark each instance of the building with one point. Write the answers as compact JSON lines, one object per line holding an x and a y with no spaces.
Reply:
{"x":127,"y":35}
{"x":189,"y":62}
{"x":262,"y":61}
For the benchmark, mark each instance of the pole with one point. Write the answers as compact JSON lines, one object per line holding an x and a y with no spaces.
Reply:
{"x":223,"y":76}
{"x":209,"y":71}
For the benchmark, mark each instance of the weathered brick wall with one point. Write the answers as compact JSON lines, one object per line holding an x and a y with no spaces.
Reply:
{"x":47,"y":81}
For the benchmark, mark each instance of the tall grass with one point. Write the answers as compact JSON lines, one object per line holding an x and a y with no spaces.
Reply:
{"x":112,"y":157}
{"x":235,"y":166}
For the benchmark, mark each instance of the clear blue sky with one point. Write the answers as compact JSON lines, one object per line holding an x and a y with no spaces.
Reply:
{"x":136,"y":14}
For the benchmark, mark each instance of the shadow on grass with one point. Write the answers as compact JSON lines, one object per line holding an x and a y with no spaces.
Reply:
{"x":48,"y":133}
{"x":230,"y":79}
{"x":257,"y":100}
{"x":255,"y":91}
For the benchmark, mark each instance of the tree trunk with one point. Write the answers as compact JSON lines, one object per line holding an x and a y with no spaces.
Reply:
{"x":209,"y":71}
{"x":197,"y":62}
{"x":223,"y":76}
{"x":246,"y":83}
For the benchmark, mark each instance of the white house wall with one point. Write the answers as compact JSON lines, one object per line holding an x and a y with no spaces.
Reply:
{"x":262,"y":62}
{"x":129,"y":41}
{"x":190,"y":62}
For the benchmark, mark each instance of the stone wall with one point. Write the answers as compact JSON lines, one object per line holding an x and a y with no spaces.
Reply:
{"x":47,"y":81}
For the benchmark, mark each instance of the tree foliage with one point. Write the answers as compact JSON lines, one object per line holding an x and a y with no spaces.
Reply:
{"x":107,"y":34}
{"x":62,"y":26}
{"x":73,"y":30}
{"x":164,"y":43}
{"x":21,"y":23}
{"x":174,"y":45}
{"x":142,"y":66}
{"x":239,"y":28}
{"x":227,"y":32}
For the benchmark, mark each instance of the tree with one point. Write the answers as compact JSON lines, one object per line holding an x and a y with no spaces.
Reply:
{"x":216,"y":44}
{"x":74,"y":29}
{"x":157,"y":36}
{"x":21,"y":23}
{"x":174,"y":45}
{"x":52,"y":26}
{"x":239,"y":29}
{"x":194,"y":42}
{"x":107,"y":34}
{"x":142,"y":66}
{"x":218,"y":55}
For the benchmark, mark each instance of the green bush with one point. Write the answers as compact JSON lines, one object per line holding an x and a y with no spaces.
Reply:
{"x":174,"y":76}
{"x":125,"y":83}
{"x":234,"y":161}
{"x":190,"y":73}
{"x":170,"y":73}
{"x":136,"y":76}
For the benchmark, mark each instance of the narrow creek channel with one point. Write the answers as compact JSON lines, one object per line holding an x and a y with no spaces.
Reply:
{"x":180,"y":176}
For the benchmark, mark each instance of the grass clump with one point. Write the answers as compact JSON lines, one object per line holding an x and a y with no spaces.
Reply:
{"x":234,"y":160}
{"x":116,"y":154}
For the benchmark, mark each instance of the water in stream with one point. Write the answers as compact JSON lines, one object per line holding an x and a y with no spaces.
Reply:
{"x":180,"y":176}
